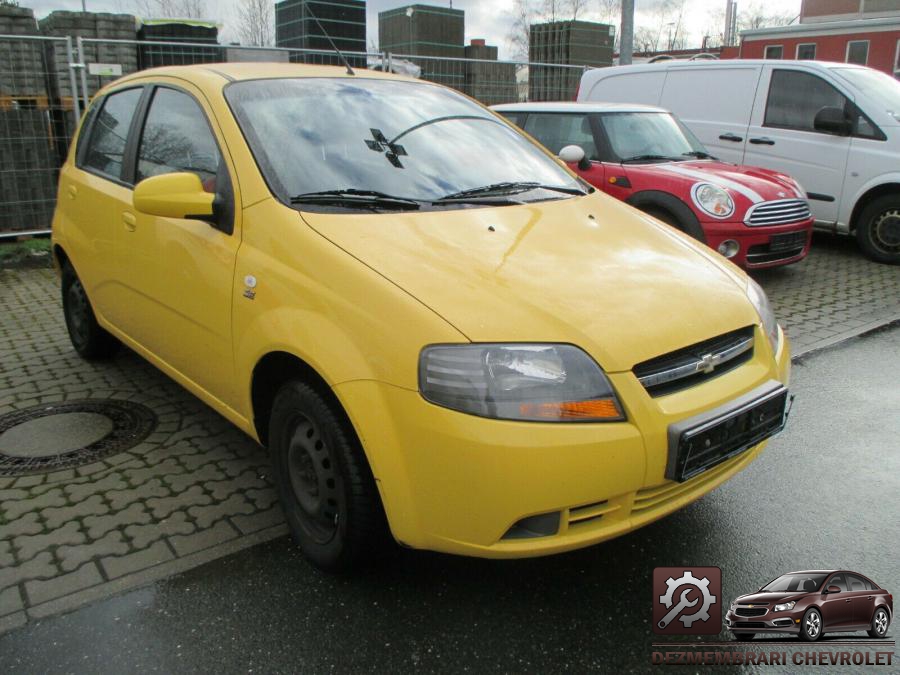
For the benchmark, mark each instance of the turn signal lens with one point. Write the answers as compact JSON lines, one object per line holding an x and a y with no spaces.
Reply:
{"x":601,"y":409}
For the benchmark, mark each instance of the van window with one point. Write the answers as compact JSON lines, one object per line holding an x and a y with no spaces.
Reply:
{"x":774,"y":52}
{"x":177,"y":137}
{"x":795,"y":97}
{"x":556,"y":130}
{"x":858,"y":52}
{"x":109,"y":133}
{"x":735,"y":89}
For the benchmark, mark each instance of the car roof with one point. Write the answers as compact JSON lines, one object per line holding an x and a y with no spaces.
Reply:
{"x":815,"y":572}
{"x":569,"y":106}
{"x":719,"y":63}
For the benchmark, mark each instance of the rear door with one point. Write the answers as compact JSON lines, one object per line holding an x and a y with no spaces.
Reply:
{"x":862,"y":596}
{"x":715,"y":102}
{"x":556,"y":130}
{"x":782,"y":136}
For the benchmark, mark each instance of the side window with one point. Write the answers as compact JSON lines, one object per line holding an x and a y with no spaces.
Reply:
{"x":839,"y":581}
{"x":795,"y":97}
{"x":774,"y":52}
{"x":177,"y":137}
{"x":858,"y":52}
{"x":555,"y":131}
{"x":515,"y":118}
{"x":858,"y":583}
{"x":806,"y":51}
{"x":105,"y":147}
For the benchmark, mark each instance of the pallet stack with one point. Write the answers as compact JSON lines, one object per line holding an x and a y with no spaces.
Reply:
{"x":178,"y":31}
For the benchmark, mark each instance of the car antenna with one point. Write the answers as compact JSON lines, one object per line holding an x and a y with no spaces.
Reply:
{"x":307,"y":8}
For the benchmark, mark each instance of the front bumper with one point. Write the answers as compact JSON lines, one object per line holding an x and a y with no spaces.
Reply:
{"x":457,"y":483}
{"x":754,"y":252}
{"x":770,"y":622}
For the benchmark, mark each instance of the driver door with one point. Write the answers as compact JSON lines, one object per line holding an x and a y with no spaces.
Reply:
{"x":837,"y":608}
{"x":179,"y":272}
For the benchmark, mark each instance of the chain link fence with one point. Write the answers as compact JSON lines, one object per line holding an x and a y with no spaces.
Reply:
{"x":46,"y":83}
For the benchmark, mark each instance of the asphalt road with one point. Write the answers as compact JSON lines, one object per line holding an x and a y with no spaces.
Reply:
{"x":824,"y":494}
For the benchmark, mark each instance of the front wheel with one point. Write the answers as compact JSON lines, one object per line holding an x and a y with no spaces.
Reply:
{"x":878,"y":230}
{"x":811,"y":625}
{"x":880,"y":623}
{"x":326,"y":487}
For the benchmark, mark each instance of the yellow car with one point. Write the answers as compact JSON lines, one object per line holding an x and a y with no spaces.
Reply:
{"x":439,"y":332}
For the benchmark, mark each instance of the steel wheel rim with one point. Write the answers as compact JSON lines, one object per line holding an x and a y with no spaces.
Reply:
{"x":315,"y":482}
{"x":881,"y":622}
{"x":76,"y":316}
{"x":812,"y":625}
{"x":886,"y":231}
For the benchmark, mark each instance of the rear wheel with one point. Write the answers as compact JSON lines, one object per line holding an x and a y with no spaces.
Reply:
{"x":811,"y":625}
{"x":326,"y":488}
{"x":87,"y":337}
{"x":878,"y":230}
{"x":880,"y":623}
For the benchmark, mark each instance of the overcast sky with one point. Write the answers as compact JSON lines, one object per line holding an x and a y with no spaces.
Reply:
{"x":490,"y":19}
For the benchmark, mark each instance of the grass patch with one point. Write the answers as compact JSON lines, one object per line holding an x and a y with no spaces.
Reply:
{"x":34,"y":252}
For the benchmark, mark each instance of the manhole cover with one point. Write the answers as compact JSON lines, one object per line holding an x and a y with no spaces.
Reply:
{"x":57,"y":436}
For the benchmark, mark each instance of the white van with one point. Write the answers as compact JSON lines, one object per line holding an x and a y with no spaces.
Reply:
{"x":834,"y":127}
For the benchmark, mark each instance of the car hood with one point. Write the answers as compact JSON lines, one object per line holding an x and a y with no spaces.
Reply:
{"x":590,"y":271}
{"x":772,"y":598}
{"x":754,"y":183}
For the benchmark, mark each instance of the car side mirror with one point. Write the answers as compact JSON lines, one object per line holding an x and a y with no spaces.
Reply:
{"x":832,"y":589}
{"x":174,"y":195}
{"x":575,"y":154}
{"x":832,"y":121}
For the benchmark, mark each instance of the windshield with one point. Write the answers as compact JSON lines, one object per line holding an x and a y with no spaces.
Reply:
{"x":802,"y":583}
{"x":649,"y":135}
{"x":878,"y":86}
{"x":406,"y":140}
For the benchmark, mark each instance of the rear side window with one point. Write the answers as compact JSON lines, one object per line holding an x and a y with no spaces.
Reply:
{"x":858,"y":583}
{"x":795,"y":97}
{"x":734,"y":87}
{"x":555,"y":131}
{"x":177,"y":137}
{"x":108,"y":133}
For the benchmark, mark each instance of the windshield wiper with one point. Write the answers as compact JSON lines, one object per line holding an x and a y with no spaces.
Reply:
{"x":356,"y":198}
{"x":699,"y":154}
{"x":644,"y":158}
{"x":507,"y":188}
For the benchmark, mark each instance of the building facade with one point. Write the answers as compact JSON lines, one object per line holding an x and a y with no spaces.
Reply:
{"x":307,"y":24}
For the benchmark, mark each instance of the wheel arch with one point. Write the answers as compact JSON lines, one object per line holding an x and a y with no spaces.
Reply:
{"x":656,"y":200}
{"x":870,"y":194}
{"x":60,"y":257}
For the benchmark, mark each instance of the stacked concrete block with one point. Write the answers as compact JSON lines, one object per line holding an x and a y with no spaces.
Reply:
{"x":182,"y":36}
{"x":28,"y":170}
{"x":21,"y":59}
{"x":488,"y":80}
{"x":580,"y":43}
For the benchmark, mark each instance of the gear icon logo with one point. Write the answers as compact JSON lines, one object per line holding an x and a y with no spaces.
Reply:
{"x":686,"y":601}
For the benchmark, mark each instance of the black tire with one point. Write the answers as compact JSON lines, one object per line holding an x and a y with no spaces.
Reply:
{"x":743,"y":636}
{"x":878,"y":230}
{"x":811,"y":625}
{"x":87,"y":337}
{"x":881,"y":620}
{"x":326,"y":487}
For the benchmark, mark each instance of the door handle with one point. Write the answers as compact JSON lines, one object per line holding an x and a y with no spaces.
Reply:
{"x":129,"y":220}
{"x":762,"y":141}
{"x":73,"y":191}
{"x":731,"y":137}
{"x":848,"y":600}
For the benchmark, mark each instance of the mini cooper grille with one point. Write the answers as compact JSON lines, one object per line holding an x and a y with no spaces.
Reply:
{"x":778,"y":213}
{"x":750,"y":611}
{"x":691,"y":365}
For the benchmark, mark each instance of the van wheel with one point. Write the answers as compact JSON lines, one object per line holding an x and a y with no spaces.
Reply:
{"x":87,"y":337}
{"x":811,"y":625}
{"x":326,"y":487}
{"x":880,"y":623}
{"x":878,"y":230}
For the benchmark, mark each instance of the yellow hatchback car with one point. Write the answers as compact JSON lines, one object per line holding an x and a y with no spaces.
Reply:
{"x":439,"y":331}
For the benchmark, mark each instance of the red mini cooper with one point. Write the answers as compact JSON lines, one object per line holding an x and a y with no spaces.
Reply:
{"x":646,"y":157}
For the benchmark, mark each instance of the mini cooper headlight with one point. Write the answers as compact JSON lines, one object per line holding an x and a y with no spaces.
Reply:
{"x":785,"y":607}
{"x":713,"y":200}
{"x":534,"y":382}
{"x":761,"y":302}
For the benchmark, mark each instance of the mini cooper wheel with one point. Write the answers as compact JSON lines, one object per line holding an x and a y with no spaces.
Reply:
{"x":87,"y":337}
{"x":326,"y":488}
{"x":880,"y":623}
{"x":811,"y":625}
{"x":878,"y":230}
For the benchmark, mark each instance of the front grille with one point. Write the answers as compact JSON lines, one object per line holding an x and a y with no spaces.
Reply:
{"x":779,"y":247}
{"x":749,"y":624}
{"x":779,"y":212}
{"x":750,"y":611}
{"x":692,"y":365}
{"x":580,"y":516}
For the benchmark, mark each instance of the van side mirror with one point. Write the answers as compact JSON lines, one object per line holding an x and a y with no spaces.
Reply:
{"x":833,"y":589}
{"x":832,"y":121}
{"x":174,"y":195}
{"x":573,"y":154}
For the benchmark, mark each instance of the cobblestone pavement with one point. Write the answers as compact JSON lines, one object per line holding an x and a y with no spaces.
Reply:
{"x":197,"y":488}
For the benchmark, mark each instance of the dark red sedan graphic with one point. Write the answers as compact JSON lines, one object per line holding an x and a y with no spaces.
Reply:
{"x":812,"y":603}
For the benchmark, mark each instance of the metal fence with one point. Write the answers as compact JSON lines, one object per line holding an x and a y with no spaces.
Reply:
{"x":47,"y":82}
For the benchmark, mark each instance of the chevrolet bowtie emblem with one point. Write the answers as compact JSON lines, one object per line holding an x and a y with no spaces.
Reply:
{"x":749,"y":605}
{"x":708,"y":362}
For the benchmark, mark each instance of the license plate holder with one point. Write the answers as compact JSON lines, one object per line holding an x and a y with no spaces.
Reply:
{"x":702,"y":442}
{"x":786,"y":241}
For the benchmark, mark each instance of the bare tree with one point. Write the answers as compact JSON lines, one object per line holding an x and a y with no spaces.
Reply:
{"x":575,"y":7}
{"x":256,"y":22}
{"x":756,"y":16}
{"x":609,"y":11}
{"x":552,"y":10}
{"x":173,"y":9}
{"x":519,"y":35}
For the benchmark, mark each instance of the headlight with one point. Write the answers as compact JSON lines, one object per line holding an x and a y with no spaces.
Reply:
{"x":761,"y":302}
{"x":713,"y":200}
{"x":785,"y":607}
{"x":535,"y":382}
